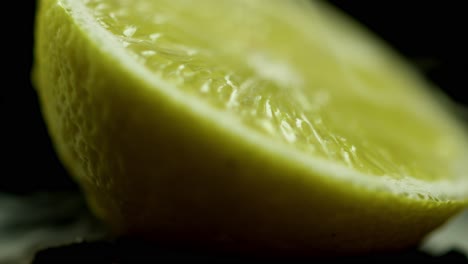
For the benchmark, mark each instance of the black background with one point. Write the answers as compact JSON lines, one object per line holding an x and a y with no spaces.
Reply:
{"x":430,"y":34}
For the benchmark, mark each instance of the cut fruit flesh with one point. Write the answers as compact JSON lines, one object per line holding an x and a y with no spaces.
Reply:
{"x":293,"y":80}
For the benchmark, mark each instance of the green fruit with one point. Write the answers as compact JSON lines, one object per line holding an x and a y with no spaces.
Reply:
{"x":246,"y":124}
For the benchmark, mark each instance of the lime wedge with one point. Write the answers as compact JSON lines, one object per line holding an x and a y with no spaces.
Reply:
{"x":252,"y":124}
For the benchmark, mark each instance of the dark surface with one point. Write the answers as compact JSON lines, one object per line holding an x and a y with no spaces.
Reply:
{"x":430,"y":34}
{"x":128,"y":251}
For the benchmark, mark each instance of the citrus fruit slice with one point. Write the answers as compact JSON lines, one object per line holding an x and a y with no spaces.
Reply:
{"x":263,"y":125}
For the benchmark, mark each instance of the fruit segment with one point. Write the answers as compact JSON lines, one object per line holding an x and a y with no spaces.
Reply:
{"x":292,"y":73}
